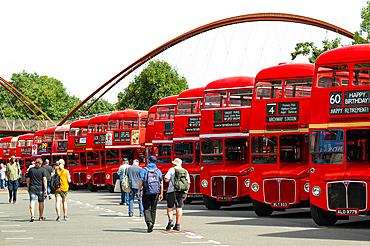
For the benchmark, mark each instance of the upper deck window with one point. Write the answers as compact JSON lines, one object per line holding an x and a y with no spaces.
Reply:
{"x":327,"y":146}
{"x":332,"y":76}
{"x":48,"y":137}
{"x":130,"y":123}
{"x":298,"y":87}
{"x":21,"y":143}
{"x":98,"y":127}
{"x":74,"y":131}
{"x":269,"y":89}
{"x":112,"y":124}
{"x":29,"y":142}
{"x":361,"y":74}
{"x":59,"y":135}
{"x":104,"y":127}
{"x":151,"y":119}
{"x":84,"y":131}
{"x":13,"y":145}
{"x":37,"y":139}
{"x":240,"y":98}
{"x":215,"y":99}
{"x":187,"y":107}
{"x":92,"y":128}
{"x":143,"y":123}
{"x":165,"y":113}
{"x":4,"y":145}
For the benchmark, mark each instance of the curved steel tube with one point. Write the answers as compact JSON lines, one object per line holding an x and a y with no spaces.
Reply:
{"x":199,"y":30}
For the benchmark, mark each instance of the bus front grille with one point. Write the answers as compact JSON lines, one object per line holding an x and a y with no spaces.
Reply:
{"x":224,"y":186}
{"x":279,"y":190}
{"x":347,"y":194}
{"x":98,"y":178}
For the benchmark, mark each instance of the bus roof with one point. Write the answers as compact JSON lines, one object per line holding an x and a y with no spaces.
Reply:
{"x":40,"y":132}
{"x":99,"y":119}
{"x":50,"y":130}
{"x":360,"y":52}
{"x":26,"y":136}
{"x":6,"y":139}
{"x":79,"y":123}
{"x":286,"y":70}
{"x":171,"y":100}
{"x":128,"y":113}
{"x":15,"y":139}
{"x":63,"y":128}
{"x":192,"y":93}
{"x":153,"y":109}
{"x":231,"y":83}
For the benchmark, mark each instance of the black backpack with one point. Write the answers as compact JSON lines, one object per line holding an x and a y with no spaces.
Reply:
{"x":54,"y":182}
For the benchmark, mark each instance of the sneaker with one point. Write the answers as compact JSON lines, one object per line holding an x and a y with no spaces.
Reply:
{"x":58,"y":219}
{"x":41,"y":218}
{"x":176,"y":228}
{"x":150,"y":227}
{"x":126,"y":204}
{"x":10,"y":200}
{"x":66,"y":218}
{"x":32,"y":219}
{"x":141,"y":215}
{"x":14,"y":202}
{"x":130,"y":215}
{"x":169,"y":226}
{"x":121,"y":203}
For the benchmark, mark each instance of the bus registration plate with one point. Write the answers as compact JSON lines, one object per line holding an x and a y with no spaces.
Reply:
{"x":347,"y":211}
{"x":224,"y":198}
{"x":280,"y":204}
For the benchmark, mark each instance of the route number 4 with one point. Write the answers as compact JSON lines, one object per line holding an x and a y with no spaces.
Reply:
{"x":271,"y":109}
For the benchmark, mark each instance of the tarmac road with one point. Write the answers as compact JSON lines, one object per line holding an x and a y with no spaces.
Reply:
{"x":96,"y":218}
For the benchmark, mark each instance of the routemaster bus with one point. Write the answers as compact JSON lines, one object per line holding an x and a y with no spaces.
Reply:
{"x":5,"y":149}
{"x":76,"y":153}
{"x":163,"y":134}
{"x":124,"y":139}
{"x":60,"y":144}
{"x":37,"y":141}
{"x":24,"y":154}
{"x":150,"y":131}
{"x":186,"y":136}
{"x":340,"y":135}
{"x":48,"y":143}
{"x":279,"y":137}
{"x":224,"y":132}
{"x":95,"y":152}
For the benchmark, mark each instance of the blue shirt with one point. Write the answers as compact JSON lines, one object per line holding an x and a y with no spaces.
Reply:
{"x":150,"y":166}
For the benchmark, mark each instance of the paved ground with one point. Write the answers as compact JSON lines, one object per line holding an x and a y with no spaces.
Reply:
{"x":97,"y":219}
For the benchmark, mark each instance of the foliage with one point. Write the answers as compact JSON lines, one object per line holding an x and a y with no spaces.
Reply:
{"x":49,"y":94}
{"x":311,"y":50}
{"x":156,"y":81}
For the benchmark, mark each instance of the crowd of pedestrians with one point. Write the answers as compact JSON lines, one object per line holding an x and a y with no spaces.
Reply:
{"x":146,"y":184}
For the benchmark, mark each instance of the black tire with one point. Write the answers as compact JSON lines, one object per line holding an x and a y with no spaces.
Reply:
{"x":92,"y":188}
{"x":262,"y":209}
{"x":73,"y":186}
{"x":211,"y":203}
{"x":110,"y":188}
{"x":322,"y":217}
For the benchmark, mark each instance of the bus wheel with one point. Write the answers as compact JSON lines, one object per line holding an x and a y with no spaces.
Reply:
{"x":210,"y":202}
{"x":110,"y":188}
{"x":262,"y":209}
{"x":322,"y":217}
{"x":92,"y":187}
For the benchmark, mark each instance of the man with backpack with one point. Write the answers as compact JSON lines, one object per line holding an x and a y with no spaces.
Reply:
{"x":151,"y":180}
{"x":36,"y":187}
{"x":133,"y":173}
{"x":179,"y":183}
{"x":121,"y":173}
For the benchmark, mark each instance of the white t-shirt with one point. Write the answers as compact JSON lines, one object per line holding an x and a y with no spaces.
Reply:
{"x":2,"y":173}
{"x":171,"y":176}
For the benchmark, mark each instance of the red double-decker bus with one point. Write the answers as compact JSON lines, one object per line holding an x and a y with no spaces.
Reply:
{"x":150,"y":131}
{"x":95,"y":152}
{"x":37,"y":141}
{"x":76,"y":153}
{"x":340,"y":135}
{"x":5,"y":149}
{"x":48,"y":143}
{"x":24,"y":155}
{"x":162,"y":139}
{"x":60,"y":144}
{"x":124,"y":139}
{"x":278,"y":135}
{"x":186,"y":136}
{"x":224,"y":132}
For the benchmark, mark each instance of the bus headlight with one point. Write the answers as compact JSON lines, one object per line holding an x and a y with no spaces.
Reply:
{"x":246,"y":182}
{"x":107,"y":176}
{"x":204,"y":183}
{"x":89,"y":176}
{"x":306,"y":187}
{"x":255,"y":187}
{"x":316,"y":191}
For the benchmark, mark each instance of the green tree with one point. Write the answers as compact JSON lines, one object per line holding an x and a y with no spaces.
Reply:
{"x":156,"y":81}
{"x":360,"y":37}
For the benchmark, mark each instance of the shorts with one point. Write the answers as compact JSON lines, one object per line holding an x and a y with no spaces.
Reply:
{"x":180,"y":196}
{"x":39,"y":194}
{"x":62,"y":194}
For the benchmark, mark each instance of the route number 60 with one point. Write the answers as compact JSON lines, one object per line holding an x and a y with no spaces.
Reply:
{"x":336,"y":99}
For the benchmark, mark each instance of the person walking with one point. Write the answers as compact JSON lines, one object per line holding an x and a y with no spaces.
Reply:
{"x":174,"y":196}
{"x":122,"y":172}
{"x":61,"y":193}
{"x":49,"y":170}
{"x":151,"y":180}
{"x":2,"y":176}
{"x":36,"y":187}
{"x":13,"y":173}
{"x":133,"y":173}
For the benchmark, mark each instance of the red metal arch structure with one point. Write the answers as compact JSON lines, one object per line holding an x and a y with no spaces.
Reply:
{"x":225,"y":22}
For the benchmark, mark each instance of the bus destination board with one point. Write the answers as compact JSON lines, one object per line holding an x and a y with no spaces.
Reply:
{"x":231,"y":115}
{"x":288,"y":108}
{"x":226,"y":124}
{"x":356,"y":99}
{"x":194,"y":121}
{"x":282,"y":118}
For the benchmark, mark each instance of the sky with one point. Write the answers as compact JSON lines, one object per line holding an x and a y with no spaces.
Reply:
{"x":84,"y":43}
